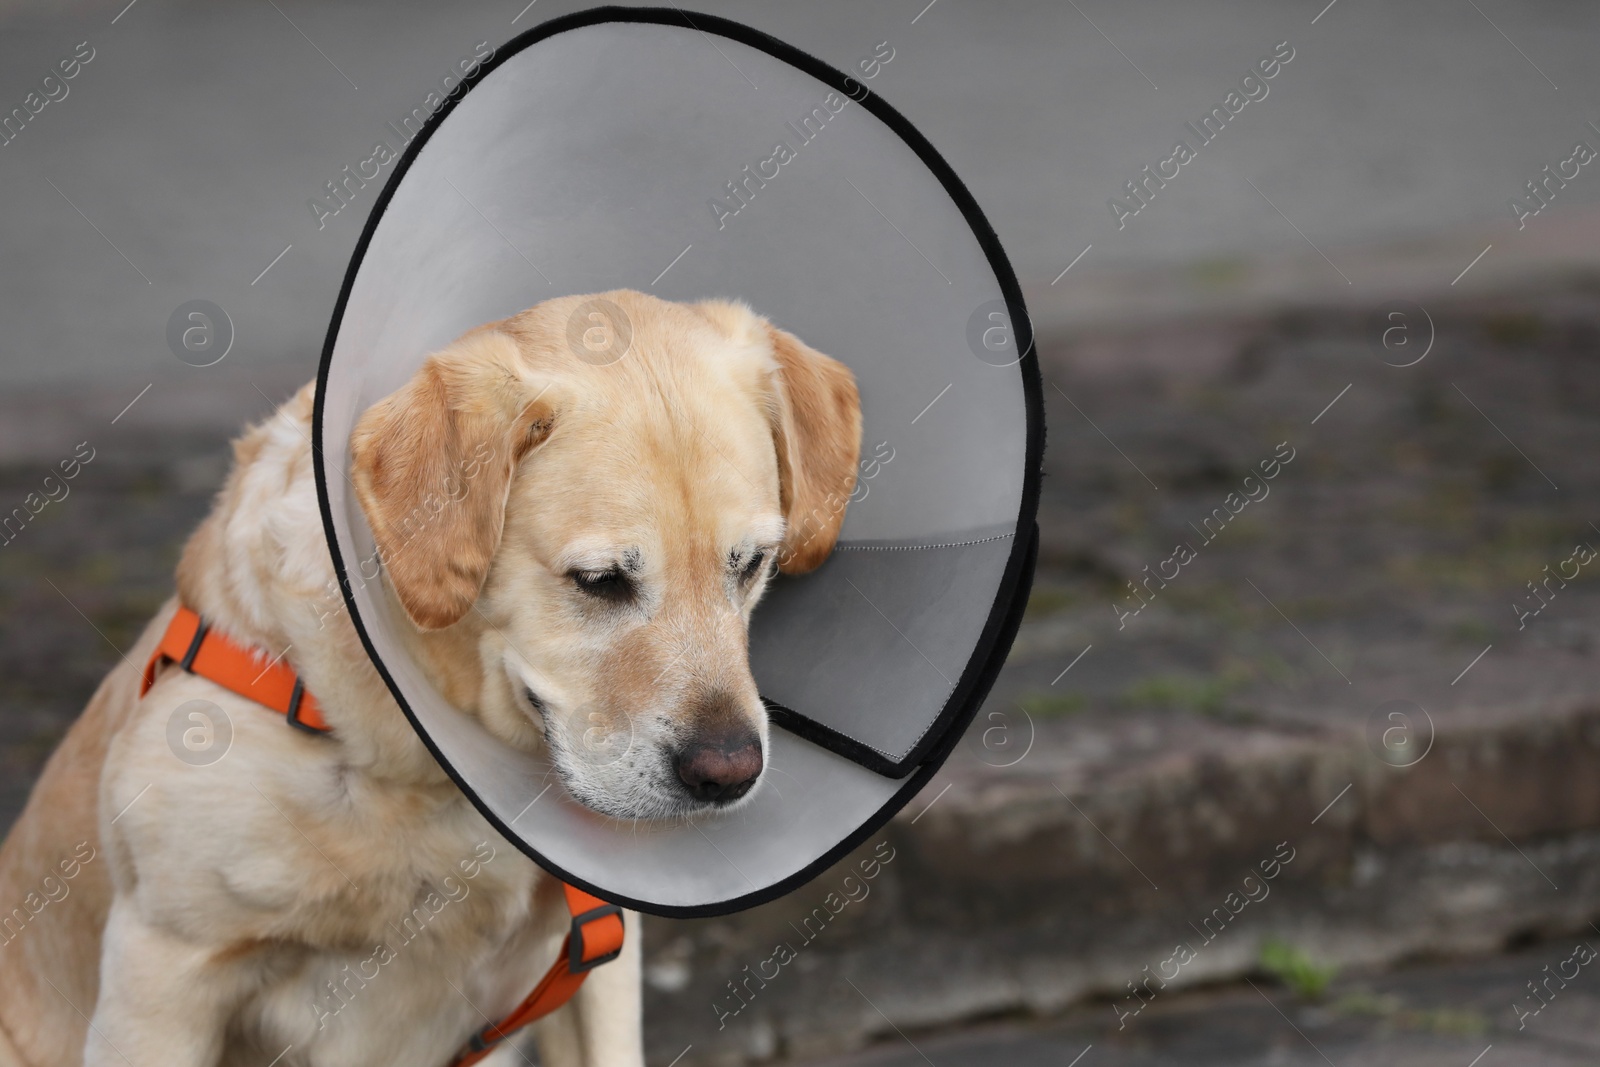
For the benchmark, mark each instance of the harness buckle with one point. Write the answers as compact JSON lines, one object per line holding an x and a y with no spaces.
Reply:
{"x":293,"y":714}
{"x":575,"y":961}
{"x":479,"y":1042}
{"x":201,"y":628}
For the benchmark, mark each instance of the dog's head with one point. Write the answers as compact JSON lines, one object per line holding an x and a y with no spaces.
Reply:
{"x":591,"y":497}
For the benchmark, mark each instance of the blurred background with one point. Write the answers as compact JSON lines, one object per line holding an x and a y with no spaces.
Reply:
{"x":1380,"y":283}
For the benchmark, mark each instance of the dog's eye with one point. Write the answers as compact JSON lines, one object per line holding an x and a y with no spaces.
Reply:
{"x":604,"y":585}
{"x":753,"y":569}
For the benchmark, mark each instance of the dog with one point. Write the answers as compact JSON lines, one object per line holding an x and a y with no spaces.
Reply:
{"x":606,"y":529}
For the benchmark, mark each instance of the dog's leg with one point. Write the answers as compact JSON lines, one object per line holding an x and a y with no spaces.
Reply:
{"x":558,"y":1040}
{"x":609,"y":1007}
{"x":162,"y":1000}
{"x":602,"y":1026}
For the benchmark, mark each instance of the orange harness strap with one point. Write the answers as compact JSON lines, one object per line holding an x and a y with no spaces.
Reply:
{"x":596,"y":938}
{"x":191,"y":644}
{"x":596,"y":934}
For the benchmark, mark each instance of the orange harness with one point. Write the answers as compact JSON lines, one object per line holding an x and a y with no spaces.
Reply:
{"x":596,"y":933}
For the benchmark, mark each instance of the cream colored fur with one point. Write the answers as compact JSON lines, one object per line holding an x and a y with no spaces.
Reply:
{"x":224,"y":909}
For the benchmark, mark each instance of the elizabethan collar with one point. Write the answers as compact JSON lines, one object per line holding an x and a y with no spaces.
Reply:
{"x":692,"y":157}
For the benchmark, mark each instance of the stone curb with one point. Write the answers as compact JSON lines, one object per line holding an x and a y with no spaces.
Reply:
{"x":1011,"y":897}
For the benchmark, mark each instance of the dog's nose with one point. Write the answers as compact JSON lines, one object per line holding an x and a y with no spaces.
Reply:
{"x":720,"y":768}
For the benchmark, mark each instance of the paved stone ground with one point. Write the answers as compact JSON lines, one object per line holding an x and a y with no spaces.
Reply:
{"x":1447,"y":1014}
{"x":1382,"y":560}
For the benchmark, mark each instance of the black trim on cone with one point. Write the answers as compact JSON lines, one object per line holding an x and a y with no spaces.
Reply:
{"x":1005,"y":615}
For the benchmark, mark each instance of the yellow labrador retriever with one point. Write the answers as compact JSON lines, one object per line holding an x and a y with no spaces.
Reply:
{"x":335,"y":901}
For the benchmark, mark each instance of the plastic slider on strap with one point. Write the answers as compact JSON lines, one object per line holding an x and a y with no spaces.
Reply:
{"x":481,"y":1042}
{"x":201,"y":628}
{"x":296,"y":696}
{"x":577,"y":948}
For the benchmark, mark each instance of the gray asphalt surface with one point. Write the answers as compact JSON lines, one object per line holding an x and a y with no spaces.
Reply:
{"x":180,"y":164}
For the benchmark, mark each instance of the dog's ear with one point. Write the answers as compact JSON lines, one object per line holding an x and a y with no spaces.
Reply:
{"x":816,"y":426}
{"x":432,"y":466}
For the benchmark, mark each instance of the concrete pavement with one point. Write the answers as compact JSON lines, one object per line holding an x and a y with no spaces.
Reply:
{"x":1437,"y":1015}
